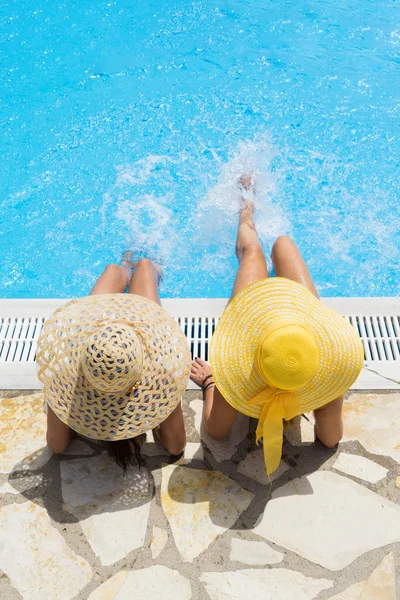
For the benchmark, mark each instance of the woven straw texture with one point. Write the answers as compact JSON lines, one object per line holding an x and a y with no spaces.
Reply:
{"x":113,"y":366}
{"x":258,"y":306}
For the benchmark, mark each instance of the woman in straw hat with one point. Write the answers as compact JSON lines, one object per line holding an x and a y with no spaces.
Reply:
{"x":277,"y":351}
{"x":115,"y":365}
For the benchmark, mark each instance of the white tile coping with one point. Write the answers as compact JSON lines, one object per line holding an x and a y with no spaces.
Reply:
{"x":376,"y":374}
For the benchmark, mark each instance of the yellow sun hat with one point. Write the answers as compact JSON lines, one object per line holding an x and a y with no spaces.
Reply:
{"x":112,"y":365}
{"x":278,"y":352}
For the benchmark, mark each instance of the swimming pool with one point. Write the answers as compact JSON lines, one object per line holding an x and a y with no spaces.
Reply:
{"x":126,"y":125}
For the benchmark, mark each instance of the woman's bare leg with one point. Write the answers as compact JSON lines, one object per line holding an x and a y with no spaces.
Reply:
{"x":144,"y":282}
{"x":113,"y":280}
{"x":289,"y":263}
{"x":252,"y":263}
{"x":218,"y":415}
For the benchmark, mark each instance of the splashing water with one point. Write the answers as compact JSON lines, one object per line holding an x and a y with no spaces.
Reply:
{"x":215,"y":217}
{"x":149,"y":222}
{"x":145,"y":220}
{"x":202,"y":240}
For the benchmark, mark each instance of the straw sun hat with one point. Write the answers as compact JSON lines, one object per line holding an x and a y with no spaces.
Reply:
{"x":112,"y":366}
{"x":278,"y":352}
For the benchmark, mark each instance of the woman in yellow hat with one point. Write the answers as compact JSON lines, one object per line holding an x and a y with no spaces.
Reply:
{"x":115,"y":365}
{"x":277,"y":351}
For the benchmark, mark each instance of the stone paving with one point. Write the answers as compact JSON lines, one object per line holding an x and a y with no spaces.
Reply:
{"x":210,"y":525}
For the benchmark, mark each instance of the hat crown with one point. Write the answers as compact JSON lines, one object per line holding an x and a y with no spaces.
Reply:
{"x":112,"y":360}
{"x":288,"y":355}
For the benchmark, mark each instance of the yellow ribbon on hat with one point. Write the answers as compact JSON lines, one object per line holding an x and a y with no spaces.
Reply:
{"x":277,"y":405}
{"x":287,"y":356}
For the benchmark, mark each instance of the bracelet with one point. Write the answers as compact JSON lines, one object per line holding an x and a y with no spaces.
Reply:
{"x":205,"y":379}
{"x":212,"y":384}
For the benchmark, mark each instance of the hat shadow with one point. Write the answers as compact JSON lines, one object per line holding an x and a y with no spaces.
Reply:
{"x":73,"y":488}
{"x":300,"y":459}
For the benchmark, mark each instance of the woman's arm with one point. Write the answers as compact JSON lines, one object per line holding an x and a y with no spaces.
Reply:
{"x":59,"y":434}
{"x":171,"y":432}
{"x":329,"y":423}
{"x":218,"y":415}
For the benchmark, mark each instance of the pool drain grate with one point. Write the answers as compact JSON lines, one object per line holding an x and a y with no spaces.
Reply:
{"x":380,"y":336}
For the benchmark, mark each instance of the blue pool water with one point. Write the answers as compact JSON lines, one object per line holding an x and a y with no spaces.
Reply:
{"x":126,"y":124}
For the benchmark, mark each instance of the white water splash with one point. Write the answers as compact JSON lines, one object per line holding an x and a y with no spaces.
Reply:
{"x":140,"y":171}
{"x":215,"y":217}
{"x":149,"y":221}
{"x":161,"y":219}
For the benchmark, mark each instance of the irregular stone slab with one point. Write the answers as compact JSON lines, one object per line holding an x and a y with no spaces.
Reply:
{"x":300,"y":430}
{"x":381,"y":584}
{"x":109,"y":589}
{"x":360,"y":467}
{"x":23,"y":433}
{"x":35,"y":556}
{"x":254,"y":467}
{"x":374,"y":420}
{"x":351,"y":593}
{"x":17,"y":486}
{"x":220,"y":449}
{"x":194,"y":450}
{"x":200,"y":505}
{"x":146,"y":584}
{"x":254,"y":553}
{"x":78,"y":447}
{"x":197,"y":407}
{"x":112,"y":509}
{"x":6,"y":488}
{"x":263,"y":584}
{"x":159,"y":539}
{"x":306,"y":512}
{"x":34,"y":461}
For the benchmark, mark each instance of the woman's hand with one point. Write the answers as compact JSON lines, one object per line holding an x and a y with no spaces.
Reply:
{"x":201,"y":370}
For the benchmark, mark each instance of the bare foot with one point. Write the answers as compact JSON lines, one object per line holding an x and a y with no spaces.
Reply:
{"x":247,"y":187}
{"x":128,"y":263}
{"x":246,"y":182}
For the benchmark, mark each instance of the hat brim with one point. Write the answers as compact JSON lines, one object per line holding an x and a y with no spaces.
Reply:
{"x":257,"y":307}
{"x":101,"y":415}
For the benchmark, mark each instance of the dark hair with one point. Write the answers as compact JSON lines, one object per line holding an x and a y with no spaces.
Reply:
{"x":127,"y":452}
